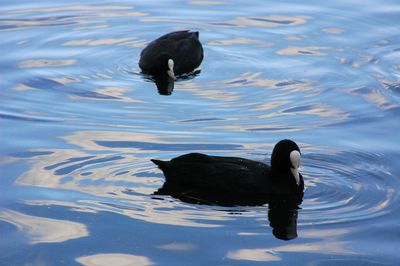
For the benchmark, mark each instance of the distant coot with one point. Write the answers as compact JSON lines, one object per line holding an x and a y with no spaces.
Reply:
{"x":172,"y":54}
{"x":230,"y":181}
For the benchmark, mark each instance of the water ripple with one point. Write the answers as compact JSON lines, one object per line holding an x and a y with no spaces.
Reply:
{"x":348,"y":186}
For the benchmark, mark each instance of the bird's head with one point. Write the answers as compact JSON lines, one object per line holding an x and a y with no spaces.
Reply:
{"x":285,"y":158}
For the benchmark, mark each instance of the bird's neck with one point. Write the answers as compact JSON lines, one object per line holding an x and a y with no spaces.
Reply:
{"x":283,"y":176}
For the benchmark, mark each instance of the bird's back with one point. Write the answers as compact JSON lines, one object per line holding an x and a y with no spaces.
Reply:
{"x":227,"y":174}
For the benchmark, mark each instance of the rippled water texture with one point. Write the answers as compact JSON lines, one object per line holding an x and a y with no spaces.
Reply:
{"x":79,"y":125}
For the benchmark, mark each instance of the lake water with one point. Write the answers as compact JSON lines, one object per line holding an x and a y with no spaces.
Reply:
{"x":79,"y":125}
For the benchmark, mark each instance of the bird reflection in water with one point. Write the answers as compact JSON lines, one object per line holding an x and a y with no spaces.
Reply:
{"x":282,"y":213}
{"x":282,"y":216}
{"x":166,"y":84}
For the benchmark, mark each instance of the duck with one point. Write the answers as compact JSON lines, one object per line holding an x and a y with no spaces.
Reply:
{"x":233,"y":181}
{"x":173,"y":54}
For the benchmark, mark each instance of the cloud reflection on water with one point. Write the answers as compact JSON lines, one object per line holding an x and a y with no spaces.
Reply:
{"x":326,"y":243}
{"x":68,"y":8}
{"x":239,"y":40}
{"x":374,"y":96}
{"x":207,"y":3}
{"x":270,"y":21}
{"x":121,"y":178}
{"x":130,"y":42}
{"x":84,"y":10}
{"x":78,"y":15}
{"x":333,"y":30}
{"x":303,"y":50}
{"x":280,"y":101}
{"x":178,"y":246}
{"x":47,"y":63}
{"x":44,"y":230}
{"x":115,"y":259}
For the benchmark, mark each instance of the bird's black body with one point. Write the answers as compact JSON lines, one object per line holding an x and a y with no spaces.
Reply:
{"x":201,"y":178}
{"x":183,"y":47}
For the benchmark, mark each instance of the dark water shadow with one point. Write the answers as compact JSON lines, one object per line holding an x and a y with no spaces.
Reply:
{"x":24,"y":117}
{"x":54,"y":86}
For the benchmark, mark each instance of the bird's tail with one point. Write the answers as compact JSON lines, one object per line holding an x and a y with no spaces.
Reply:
{"x":159,"y":163}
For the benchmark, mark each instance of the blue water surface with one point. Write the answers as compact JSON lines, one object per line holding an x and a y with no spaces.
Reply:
{"x":79,"y":125}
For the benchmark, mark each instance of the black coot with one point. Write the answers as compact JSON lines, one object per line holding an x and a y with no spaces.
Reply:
{"x":172,"y":54}
{"x":230,"y":181}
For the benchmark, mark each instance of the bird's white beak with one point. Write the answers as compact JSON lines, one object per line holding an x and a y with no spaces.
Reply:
{"x":170,"y":70}
{"x":295,"y":160}
{"x":296,"y":174}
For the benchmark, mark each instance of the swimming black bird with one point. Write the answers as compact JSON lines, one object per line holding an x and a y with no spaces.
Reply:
{"x":172,"y":54}
{"x":229,"y":181}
